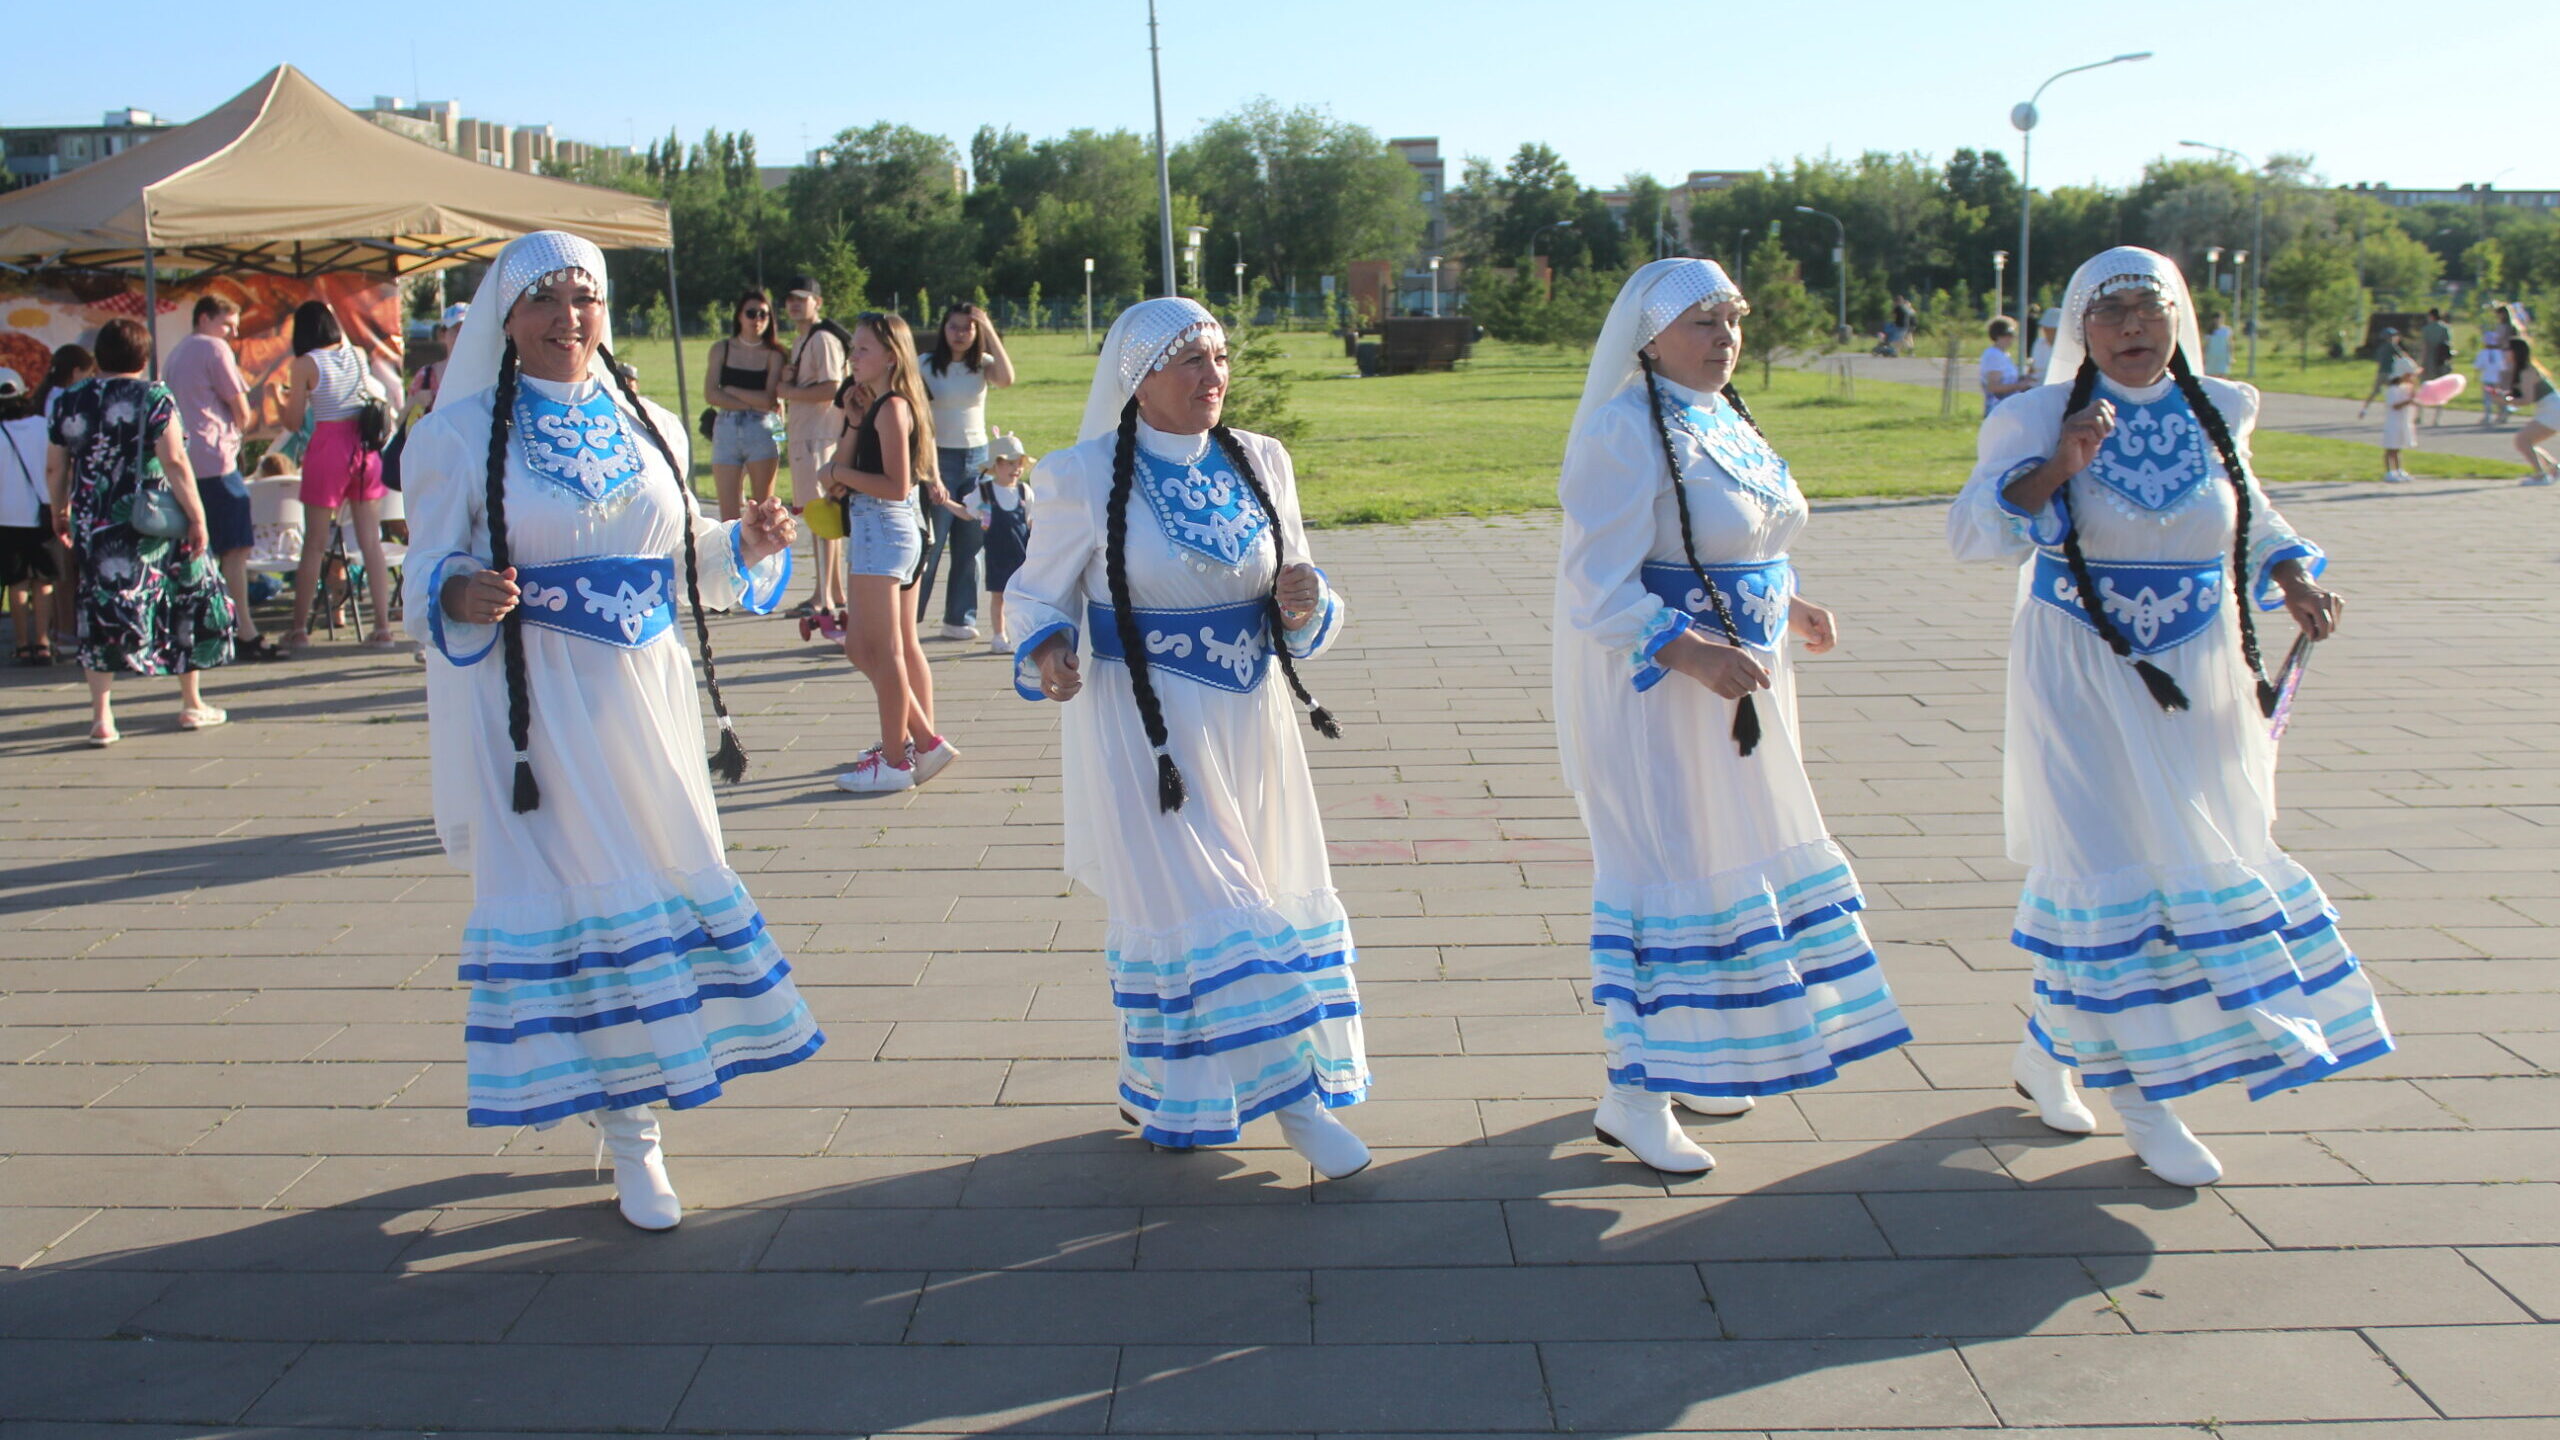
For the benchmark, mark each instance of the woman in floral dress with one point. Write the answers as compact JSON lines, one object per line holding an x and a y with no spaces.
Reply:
{"x":147,"y":604}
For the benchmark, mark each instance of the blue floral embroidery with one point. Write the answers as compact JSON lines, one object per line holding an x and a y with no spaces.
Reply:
{"x":2156,"y":457}
{"x":585,"y":449}
{"x":1740,"y":451}
{"x":1209,"y":511}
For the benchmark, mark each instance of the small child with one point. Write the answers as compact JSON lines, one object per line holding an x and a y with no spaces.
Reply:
{"x":1004,"y":508}
{"x":2400,"y":421}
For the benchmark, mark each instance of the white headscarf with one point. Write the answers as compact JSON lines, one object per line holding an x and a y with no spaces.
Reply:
{"x":529,"y":261}
{"x":1142,"y":341}
{"x":2126,"y":267}
{"x":1652,"y":298}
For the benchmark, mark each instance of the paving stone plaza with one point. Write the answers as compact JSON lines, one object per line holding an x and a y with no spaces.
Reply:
{"x":238,"y":1198}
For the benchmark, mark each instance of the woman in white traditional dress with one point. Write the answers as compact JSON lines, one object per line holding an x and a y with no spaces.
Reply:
{"x":1727,"y":955}
{"x":614,"y":960}
{"x":1167,"y":557}
{"x":2174,"y":946}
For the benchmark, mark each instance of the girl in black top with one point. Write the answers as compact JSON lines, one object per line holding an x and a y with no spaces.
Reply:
{"x":744,"y":385}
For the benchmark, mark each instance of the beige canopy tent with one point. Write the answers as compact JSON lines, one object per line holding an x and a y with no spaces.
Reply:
{"x":283,"y":180}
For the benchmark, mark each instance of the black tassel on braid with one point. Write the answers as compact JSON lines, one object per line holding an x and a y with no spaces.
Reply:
{"x":2164,"y":689}
{"x":730,"y":761}
{"x":528,"y":795}
{"x":1746,"y":716}
{"x":2218,"y":430}
{"x":1170,"y":792}
{"x":1317,"y":716}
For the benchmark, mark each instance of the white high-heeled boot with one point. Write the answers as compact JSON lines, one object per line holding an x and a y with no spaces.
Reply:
{"x":2163,"y":1142}
{"x":1327,"y":1143}
{"x":2050,"y":1085}
{"x":1721,"y":1105}
{"x":1639,"y":1121}
{"x":648,"y":1198}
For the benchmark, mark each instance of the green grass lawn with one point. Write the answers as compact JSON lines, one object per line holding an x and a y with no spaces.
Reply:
{"x":1486,"y":440}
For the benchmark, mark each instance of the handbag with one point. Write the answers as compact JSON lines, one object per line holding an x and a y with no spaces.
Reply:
{"x":155,"y":510}
{"x":374,"y":423}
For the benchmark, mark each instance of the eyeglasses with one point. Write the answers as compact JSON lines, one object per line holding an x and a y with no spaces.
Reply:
{"x":755,"y":312}
{"x":2117,"y":313}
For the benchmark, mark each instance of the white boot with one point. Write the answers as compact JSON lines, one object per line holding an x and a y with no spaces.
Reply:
{"x":640,"y":1168}
{"x":2050,"y":1085}
{"x":1640,"y":1122}
{"x":1714,"y":1104}
{"x":1327,"y":1143}
{"x":2166,"y":1146}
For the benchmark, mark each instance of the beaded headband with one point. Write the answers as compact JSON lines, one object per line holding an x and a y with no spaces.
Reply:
{"x":1158,"y":331}
{"x":1699,"y":282}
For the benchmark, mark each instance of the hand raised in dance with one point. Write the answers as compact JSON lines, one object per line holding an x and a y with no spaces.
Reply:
{"x":765,"y":528}
{"x":2083,"y":431}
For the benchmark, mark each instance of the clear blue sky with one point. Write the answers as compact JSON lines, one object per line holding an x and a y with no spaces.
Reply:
{"x":1664,"y":87}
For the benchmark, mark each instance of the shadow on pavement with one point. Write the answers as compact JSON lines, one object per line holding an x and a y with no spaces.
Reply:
{"x":1115,"y":1290}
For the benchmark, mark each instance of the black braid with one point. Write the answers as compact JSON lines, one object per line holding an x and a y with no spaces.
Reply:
{"x":2219,"y":431}
{"x":1133,"y":649}
{"x":730,"y":761}
{"x":1746,"y":716}
{"x":2163,"y":688}
{"x":1318,"y":716}
{"x":528,"y":795}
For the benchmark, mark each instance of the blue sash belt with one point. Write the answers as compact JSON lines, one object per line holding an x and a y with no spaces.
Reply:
{"x":626,"y":600}
{"x":1756,"y":595}
{"x":2157,"y":605}
{"x":1225,"y":647}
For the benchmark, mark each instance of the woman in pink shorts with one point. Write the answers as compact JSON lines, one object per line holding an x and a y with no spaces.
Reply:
{"x":328,"y":377}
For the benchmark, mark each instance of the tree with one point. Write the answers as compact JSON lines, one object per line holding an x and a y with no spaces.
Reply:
{"x":2395,"y":266}
{"x":1042,"y":208}
{"x":895,"y":192}
{"x":2485,"y":263}
{"x":1307,"y":193}
{"x":1786,"y":319}
{"x":1651,"y":230}
{"x":2312,"y":288}
{"x":1503,"y":217}
{"x":1257,"y":374}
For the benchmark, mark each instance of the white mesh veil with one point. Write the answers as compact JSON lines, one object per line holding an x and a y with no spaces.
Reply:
{"x":1145,"y":336}
{"x":1652,"y":298}
{"x":2126,"y":267}
{"x":527,"y":261}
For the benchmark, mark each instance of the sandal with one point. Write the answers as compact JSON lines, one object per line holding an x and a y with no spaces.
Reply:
{"x":801,"y":611}
{"x":258,"y":648}
{"x":383,"y":639}
{"x":203,"y":717}
{"x":35,"y":655}
{"x":103,"y":734}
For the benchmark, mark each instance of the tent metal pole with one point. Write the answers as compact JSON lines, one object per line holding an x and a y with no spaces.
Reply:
{"x":150,"y":296}
{"x":675,"y":308}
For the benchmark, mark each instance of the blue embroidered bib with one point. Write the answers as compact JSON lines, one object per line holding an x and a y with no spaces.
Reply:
{"x":1755,"y":595}
{"x":2156,"y":605}
{"x":625,"y":600}
{"x":1226,"y":647}
{"x":1203,"y":507}
{"x":585,"y":449}
{"x":1740,"y":451}
{"x":2157,"y":456}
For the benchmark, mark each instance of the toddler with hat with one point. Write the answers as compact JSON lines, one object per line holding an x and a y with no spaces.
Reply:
{"x":1003,"y":507}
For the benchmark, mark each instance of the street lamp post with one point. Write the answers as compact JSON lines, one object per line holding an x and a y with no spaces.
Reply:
{"x":2257,"y":238}
{"x":1741,"y":251}
{"x":1999,"y":278}
{"x":1164,"y":169}
{"x":1193,"y":237}
{"x":1088,"y":302}
{"x":1435,"y":287}
{"x":1839,"y":260}
{"x":2213,"y":272}
{"x":2025,"y":117}
{"x":1239,"y":292}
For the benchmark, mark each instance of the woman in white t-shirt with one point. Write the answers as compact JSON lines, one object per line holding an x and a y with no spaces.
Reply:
{"x":968,"y":360}
{"x":26,"y":532}
{"x":1999,"y":369}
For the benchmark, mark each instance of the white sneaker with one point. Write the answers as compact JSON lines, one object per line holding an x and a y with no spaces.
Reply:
{"x":1713,"y":1104}
{"x":959,"y":632}
{"x":1640,"y":1122}
{"x":933,"y":761}
{"x":1326,"y":1143}
{"x":2395,"y":477}
{"x":998,"y":647}
{"x":2050,"y":1086}
{"x":645,"y":1195}
{"x":873,"y":775}
{"x":2537,"y":480}
{"x":2162,"y":1141}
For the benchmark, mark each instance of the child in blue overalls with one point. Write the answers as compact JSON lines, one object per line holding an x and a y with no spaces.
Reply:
{"x":1003,"y":507}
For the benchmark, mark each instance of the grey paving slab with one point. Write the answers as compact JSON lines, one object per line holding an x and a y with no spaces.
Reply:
{"x":236,"y":1126}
